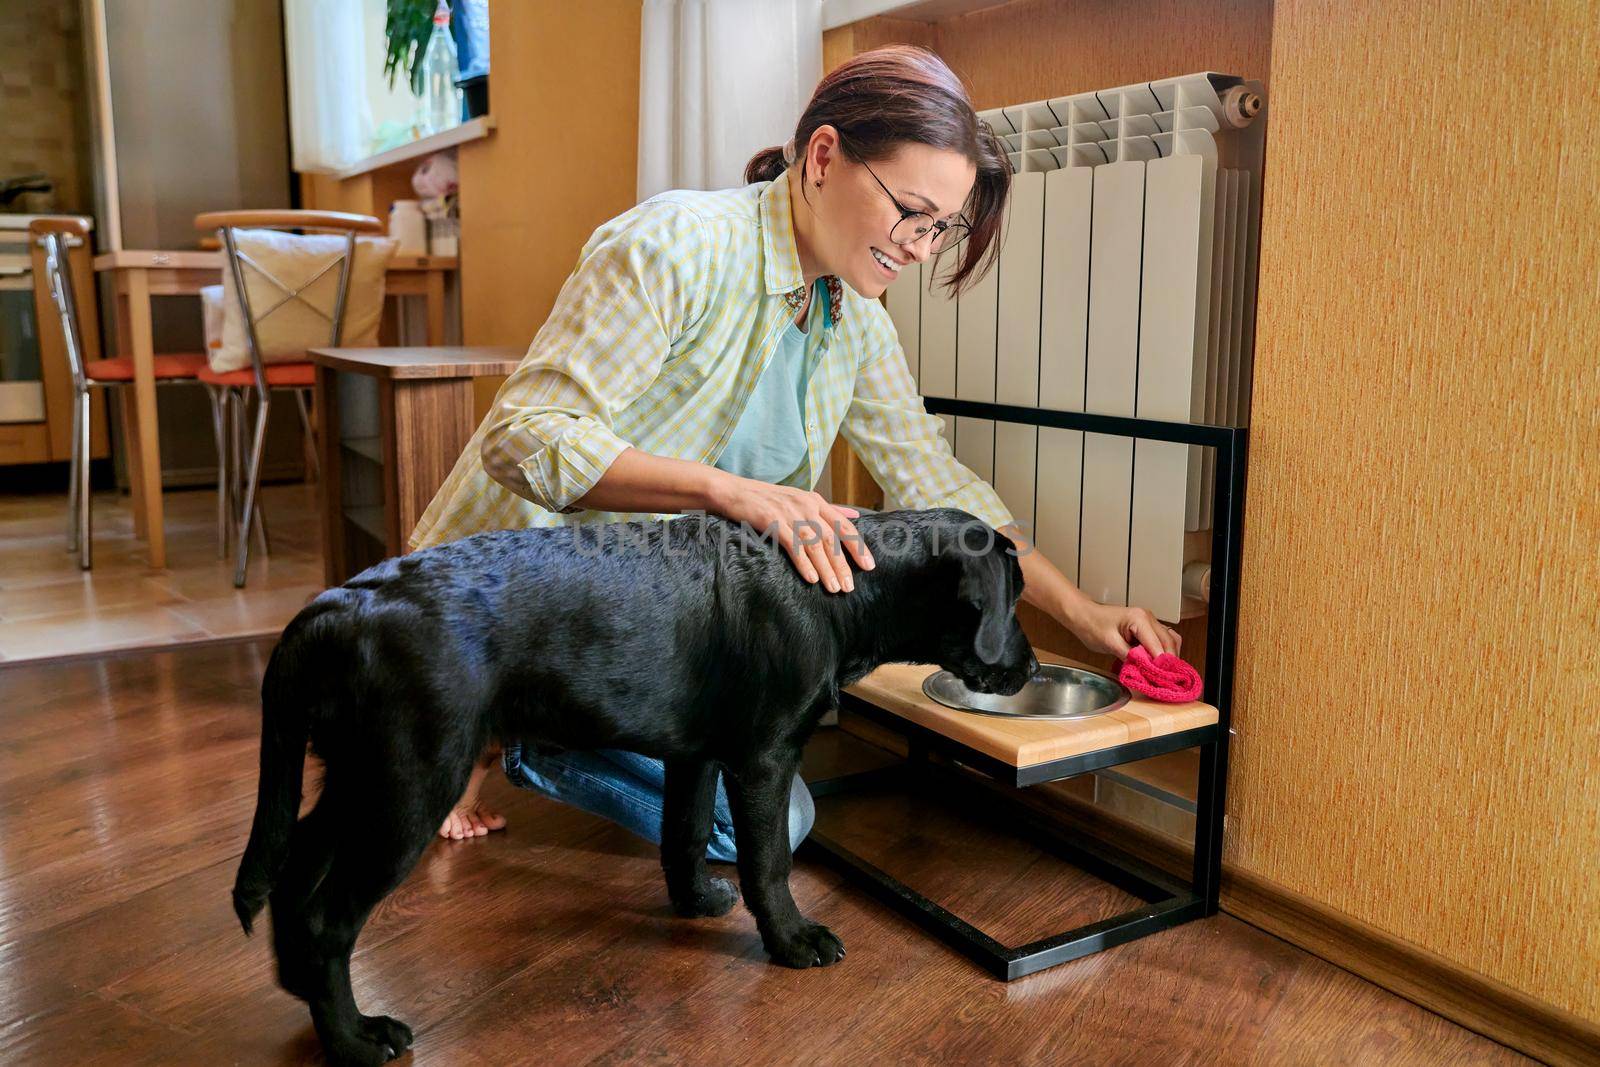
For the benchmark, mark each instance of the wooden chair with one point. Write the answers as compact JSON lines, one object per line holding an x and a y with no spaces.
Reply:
{"x":57,"y":236}
{"x":262,"y":378}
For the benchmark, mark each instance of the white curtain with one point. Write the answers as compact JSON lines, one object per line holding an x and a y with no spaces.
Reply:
{"x":719,"y":80}
{"x":330,"y":120}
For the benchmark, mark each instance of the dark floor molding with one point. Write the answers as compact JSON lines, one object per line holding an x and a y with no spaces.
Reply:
{"x":1423,"y":977}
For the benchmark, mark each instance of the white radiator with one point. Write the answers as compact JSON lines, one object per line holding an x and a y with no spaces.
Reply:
{"x":1125,"y":286}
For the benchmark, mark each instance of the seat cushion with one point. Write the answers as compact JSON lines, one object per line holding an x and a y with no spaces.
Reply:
{"x":167,"y":365}
{"x":282,"y":262}
{"x":279,"y":376}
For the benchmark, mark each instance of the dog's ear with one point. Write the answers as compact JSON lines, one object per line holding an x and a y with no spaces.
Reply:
{"x":985,"y":583}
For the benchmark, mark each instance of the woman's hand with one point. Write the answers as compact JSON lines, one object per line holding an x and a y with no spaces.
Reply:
{"x":808,"y":527}
{"x":1114,"y":629}
{"x":1109,"y":628}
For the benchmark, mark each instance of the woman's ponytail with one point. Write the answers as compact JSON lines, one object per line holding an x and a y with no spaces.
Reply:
{"x":765,"y":165}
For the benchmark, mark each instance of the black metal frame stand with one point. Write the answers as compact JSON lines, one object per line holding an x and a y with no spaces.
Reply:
{"x":1167,"y":901}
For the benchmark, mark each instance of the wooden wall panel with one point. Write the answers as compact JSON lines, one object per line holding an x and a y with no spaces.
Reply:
{"x":1031,"y":49}
{"x":562,"y":160}
{"x":324,"y":192}
{"x":365,"y":194}
{"x":1420,"y":595}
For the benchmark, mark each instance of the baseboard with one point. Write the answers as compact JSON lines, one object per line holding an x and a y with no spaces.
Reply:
{"x":1465,"y":997}
{"x":1477,"y":1002}
{"x":166,"y":644}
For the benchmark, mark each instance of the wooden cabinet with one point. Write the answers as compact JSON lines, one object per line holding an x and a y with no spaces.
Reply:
{"x":393,"y":423}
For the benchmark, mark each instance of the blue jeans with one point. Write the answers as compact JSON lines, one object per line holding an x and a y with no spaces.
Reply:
{"x":627,"y":788}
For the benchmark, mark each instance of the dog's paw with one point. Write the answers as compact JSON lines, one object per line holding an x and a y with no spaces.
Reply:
{"x":373,"y":1041}
{"x":357,"y":1050}
{"x":716,"y":897}
{"x":392,"y":1033}
{"x":812,"y":945}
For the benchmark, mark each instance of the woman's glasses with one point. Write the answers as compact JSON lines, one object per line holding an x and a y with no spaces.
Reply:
{"x":915,"y":225}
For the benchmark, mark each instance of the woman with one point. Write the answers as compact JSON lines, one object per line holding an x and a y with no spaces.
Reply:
{"x":650,"y":391}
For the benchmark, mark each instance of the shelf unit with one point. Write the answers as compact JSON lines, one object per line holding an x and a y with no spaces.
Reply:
{"x":394,"y":421}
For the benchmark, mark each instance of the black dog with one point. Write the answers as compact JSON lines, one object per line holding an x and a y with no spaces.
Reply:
{"x":693,"y":640}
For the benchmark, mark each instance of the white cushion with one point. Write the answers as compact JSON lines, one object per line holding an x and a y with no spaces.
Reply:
{"x":212,"y":316}
{"x":294,"y":259}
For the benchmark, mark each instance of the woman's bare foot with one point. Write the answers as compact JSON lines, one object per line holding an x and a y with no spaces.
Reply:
{"x":470,"y":817}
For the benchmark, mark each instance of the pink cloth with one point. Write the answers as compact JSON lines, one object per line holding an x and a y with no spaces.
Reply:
{"x":1165,"y":678}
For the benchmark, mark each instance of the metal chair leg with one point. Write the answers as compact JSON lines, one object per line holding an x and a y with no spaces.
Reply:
{"x":310,"y":432}
{"x":259,"y":520}
{"x":219,"y":432}
{"x":252,"y":486}
{"x":230,"y":398}
{"x":80,"y":448}
{"x":237,"y":412}
{"x":235,"y":417}
{"x":260,"y":527}
{"x":72,"y":481}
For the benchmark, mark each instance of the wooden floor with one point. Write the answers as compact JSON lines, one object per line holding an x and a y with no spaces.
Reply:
{"x":49,"y":608}
{"x":126,"y":789}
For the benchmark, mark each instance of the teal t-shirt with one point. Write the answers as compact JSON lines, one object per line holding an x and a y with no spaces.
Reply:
{"x":769,"y":441}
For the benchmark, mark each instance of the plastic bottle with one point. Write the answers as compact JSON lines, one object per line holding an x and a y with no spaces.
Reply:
{"x":441,"y":100}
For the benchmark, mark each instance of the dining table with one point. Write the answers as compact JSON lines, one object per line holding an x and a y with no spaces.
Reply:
{"x":136,"y":277}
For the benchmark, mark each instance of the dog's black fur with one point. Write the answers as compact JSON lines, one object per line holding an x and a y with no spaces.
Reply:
{"x":684,"y":646}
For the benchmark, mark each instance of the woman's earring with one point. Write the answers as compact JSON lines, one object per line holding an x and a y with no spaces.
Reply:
{"x":819,"y":185}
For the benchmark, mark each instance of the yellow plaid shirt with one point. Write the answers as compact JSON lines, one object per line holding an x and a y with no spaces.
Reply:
{"x":656,"y":341}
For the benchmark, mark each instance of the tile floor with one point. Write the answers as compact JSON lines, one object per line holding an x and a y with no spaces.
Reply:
{"x":49,"y":608}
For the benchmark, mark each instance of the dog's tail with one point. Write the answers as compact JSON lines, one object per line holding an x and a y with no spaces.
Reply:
{"x":285,"y":692}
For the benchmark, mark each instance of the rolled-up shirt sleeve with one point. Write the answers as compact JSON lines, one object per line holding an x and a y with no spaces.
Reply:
{"x":900,"y":443}
{"x":639,"y":283}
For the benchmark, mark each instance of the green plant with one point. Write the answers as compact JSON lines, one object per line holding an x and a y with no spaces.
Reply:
{"x":406,"y":31}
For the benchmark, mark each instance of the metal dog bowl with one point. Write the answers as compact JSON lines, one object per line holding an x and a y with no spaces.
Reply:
{"x":1054,"y":692}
